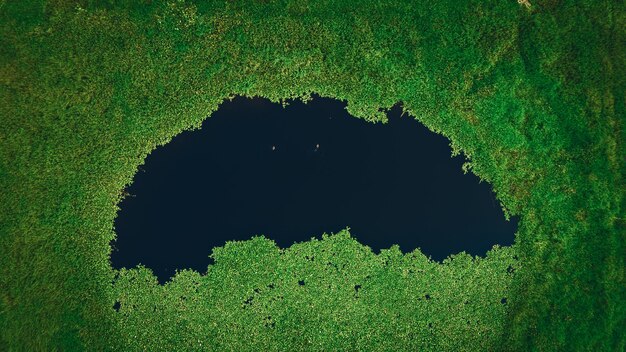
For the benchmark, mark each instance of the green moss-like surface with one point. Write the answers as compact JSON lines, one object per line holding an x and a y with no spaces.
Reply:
{"x":533,"y":96}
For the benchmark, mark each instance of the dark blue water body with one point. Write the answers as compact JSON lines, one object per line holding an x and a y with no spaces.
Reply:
{"x":290,"y":174}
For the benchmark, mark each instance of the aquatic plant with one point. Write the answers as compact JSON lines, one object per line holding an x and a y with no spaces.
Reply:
{"x":533,"y":95}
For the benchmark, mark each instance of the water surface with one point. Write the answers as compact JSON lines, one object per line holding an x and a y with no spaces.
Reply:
{"x":290,"y":174}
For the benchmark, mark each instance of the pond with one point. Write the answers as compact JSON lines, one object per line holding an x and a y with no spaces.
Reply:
{"x":256,"y":168}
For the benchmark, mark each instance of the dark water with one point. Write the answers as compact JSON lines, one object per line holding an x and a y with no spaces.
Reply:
{"x":290,"y":174}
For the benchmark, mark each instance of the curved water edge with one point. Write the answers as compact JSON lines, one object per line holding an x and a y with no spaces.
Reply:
{"x":290,"y":174}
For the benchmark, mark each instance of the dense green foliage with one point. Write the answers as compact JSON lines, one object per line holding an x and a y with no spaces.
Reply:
{"x":534,"y":96}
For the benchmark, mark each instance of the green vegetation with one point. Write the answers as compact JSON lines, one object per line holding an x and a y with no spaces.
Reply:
{"x":534,"y":96}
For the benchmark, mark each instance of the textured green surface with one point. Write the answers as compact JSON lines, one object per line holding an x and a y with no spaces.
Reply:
{"x":533,"y":96}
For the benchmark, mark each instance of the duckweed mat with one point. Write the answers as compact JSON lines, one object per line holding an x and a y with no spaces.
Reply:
{"x":532,"y":93}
